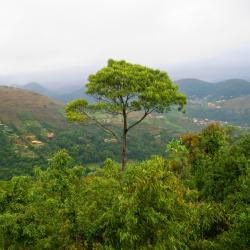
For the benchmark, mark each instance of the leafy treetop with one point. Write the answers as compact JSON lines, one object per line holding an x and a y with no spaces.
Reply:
{"x":134,"y":87}
{"x":122,"y":88}
{"x":131,"y":86}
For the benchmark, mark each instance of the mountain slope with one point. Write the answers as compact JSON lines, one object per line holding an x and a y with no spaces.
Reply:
{"x":227,"y":89}
{"x":17,"y":105}
{"x":232,"y":88}
{"x":195,"y":87}
{"x":37,"y":88}
{"x":239,"y":105}
{"x":34,"y":127}
{"x":76,"y":93}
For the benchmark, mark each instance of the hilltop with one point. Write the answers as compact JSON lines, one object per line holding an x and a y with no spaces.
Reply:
{"x":194,"y":87}
{"x":227,"y":89}
{"x":231,"y":88}
{"x":37,"y":88}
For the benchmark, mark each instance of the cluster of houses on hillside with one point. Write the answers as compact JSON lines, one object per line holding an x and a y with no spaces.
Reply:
{"x":211,"y":105}
{"x":34,"y":141}
{"x":204,"y":102}
{"x":206,"y":122}
{"x":110,"y":140}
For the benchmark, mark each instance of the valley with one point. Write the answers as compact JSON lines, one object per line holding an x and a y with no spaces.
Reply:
{"x":35,"y":127}
{"x":227,"y":102}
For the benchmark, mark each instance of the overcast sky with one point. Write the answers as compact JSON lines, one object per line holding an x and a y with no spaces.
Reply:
{"x":45,"y":35}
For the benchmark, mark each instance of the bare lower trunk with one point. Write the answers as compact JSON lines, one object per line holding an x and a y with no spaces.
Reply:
{"x":124,"y":141}
{"x":124,"y":151}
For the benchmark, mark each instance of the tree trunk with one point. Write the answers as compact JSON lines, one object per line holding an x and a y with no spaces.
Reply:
{"x":124,"y":151}
{"x":124,"y":141}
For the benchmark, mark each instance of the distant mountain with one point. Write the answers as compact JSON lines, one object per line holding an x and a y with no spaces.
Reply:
{"x":76,"y":93}
{"x":63,"y":94}
{"x":231,"y":88}
{"x":37,"y":88}
{"x":19,"y":105}
{"x":195,"y":87}
{"x":191,"y":87}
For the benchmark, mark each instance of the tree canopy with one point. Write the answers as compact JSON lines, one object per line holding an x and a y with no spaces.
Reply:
{"x":196,"y":199}
{"x":121,"y":88}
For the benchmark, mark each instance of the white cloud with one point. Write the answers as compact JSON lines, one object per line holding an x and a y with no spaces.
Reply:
{"x":40,"y":35}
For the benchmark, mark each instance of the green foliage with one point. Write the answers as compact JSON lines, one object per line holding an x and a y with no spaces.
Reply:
{"x":176,"y":146}
{"x":60,"y":208}
{"x":136,"y":86}
{"x":213,"y":138}
{"x":215,"y":163}
{"x":75,"y":110}
{"x":133,"y":87}
{"x":37,"y":212}
{"x":198,"y":198}
{"x":151,"y":210}
{"x":122,"y":88}
{"x":85,"y":144}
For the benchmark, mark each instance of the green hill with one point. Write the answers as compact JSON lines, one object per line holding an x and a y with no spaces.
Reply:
{"x":239,"y":104}
{"x":195,"y":87}
{"x":230,"y":88}
{"x":18,"y":105}
{"x":27,"y":119}
{"x":235,"y":111}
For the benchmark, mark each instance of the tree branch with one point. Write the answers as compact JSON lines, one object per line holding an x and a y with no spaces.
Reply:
{"x":103,"y":100}
{"x":147,"y":112}
{"x":140,"y":120}
{"x":103,"y":127}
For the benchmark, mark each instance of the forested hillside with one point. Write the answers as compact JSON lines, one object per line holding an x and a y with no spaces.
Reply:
{"x":197,"y":198}
{"x":17,"y":105}
{"x":227,"y":101}
{"x":33,"y":127}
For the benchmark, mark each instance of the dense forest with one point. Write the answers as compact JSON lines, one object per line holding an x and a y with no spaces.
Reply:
{"x":85,"y":143}
{"x":196,"y":198}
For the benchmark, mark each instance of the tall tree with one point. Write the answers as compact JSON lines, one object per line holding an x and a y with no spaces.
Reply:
{"x":121,"y":88}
